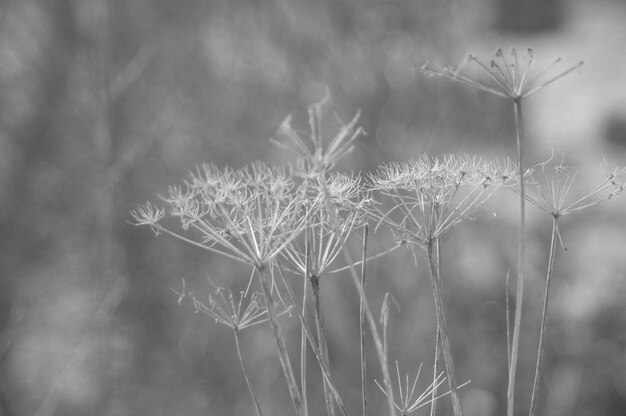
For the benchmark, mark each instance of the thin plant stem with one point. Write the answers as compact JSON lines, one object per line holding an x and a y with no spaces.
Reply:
{"x":246,"y":375}
{"x":519,"y":294}
{"x":283,"y":355}
{"x":508,"y":321}
{"x":433,"y":402}
{"x":362,"y":325}
{"x":544,"y":318}
{"x":321,"y":339}
{"x":368,"y":259}
{"x":441,"y":319}
{"x":325,"y":370}
{"x":380,"y":350}
{"x":303,"y":355}
{"x":378,"y":344}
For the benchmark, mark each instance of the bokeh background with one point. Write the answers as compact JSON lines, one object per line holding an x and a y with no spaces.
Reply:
{"x":104,"y":104}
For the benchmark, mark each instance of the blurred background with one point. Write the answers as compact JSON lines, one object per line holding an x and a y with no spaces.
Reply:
{"x":104,"y":104}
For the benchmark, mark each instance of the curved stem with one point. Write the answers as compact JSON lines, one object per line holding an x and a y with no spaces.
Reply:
{"x":283,"y":355}
{"x":519,"y":295}
{"x":244,"y":368}
{"x":441,"y":321}
{"x":544,"y":319}
{"x":321,"y":339}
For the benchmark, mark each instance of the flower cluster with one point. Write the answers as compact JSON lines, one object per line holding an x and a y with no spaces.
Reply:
{"x":249,"y":214}
{"x":507,"y":77}
{"x":311,"y":148}
{"x":341,"y":206}
{"x":430,"y":195}
{"x":551,"y":181}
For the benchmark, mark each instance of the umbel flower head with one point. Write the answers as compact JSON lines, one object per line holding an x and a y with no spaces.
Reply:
{"x":248,"y":311}
{"x":430,"y":195}
{"x":250,"y":214}
{"x":410,"y":401}
{"x":312,"y":147}
{"x":509,"y":77}
{"x":341,"y":207}
{"x":551,"y":182}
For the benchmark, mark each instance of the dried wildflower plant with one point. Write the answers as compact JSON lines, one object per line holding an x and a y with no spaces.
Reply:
{"x":408,"y":401}
{"x":431,"y":195}
{"x":312,"y":147}
{"x":549,"y":186}
{"x":249,"y":215}
{"x":510,"y":77}
{"x":551,"y":181}
{"x":304,"y":216}
{"x":342,"y":204}
{"x":224,"y":309}
{"x":338,"y":208}
{"x":507,"y":76}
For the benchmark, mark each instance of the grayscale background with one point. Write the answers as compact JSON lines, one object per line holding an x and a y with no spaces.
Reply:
{"x":104,"y":104}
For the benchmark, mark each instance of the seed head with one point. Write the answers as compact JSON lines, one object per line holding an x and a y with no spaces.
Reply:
{"x":551,"y":182}
{"x":509,"y":77}
{"x":430,"y":195}
{"x":249,"y":214}
{"x":319,"y":155}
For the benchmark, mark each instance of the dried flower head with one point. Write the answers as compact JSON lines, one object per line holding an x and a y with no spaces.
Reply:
{"x":551,"y":182}
{"x":311,"y":146}
{"x":341,"y":206}
{"x":506,"y":76}
{"x":430,"y":195}
{"x":249,"y":214}
{"x":225,"y":310}
{"x":148,"y":214}
{"x":408,"y":402}
{"x":248,"y":311}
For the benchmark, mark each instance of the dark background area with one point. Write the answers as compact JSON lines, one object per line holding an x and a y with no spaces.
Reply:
{"x":104,"y":104}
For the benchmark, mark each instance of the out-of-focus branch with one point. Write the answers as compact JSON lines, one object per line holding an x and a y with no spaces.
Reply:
{"x":131,"y":73}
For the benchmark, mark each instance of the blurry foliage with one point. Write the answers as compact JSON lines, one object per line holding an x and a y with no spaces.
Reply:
{"x":106,"y":103}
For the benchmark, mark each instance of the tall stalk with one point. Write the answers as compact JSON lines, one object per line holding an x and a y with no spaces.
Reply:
{"x":321,"y":340}
{"x":303,"y":355}
{"x":244,"y":368}
{"x":433,"y":402}
{"x":544,"y":317}
{"x":509,"y":78}
{"x":362,"y":325}
{"x":378,"y":344}
{"x":433,"y":262}
{"x":283,"y":355}
{"x":325,"y":370}
{"x":519,"y":294}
